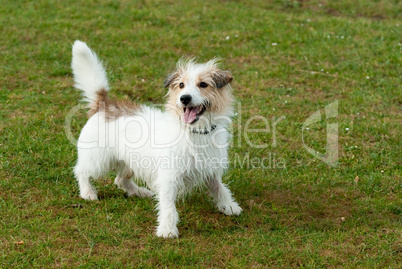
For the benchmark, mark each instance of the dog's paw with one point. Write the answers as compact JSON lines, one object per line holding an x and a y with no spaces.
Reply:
{"x":140,"y":192}
{"x":167,"y":231}
{"x":89,"y":195}
{"x":230,"y":209}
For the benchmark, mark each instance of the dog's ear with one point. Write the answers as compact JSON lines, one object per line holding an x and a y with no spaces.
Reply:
{"x":169,"y":79}
{"x":222,"y":78}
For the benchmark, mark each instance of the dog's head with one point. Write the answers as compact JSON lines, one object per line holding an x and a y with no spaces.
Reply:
{"x":199,"y":93}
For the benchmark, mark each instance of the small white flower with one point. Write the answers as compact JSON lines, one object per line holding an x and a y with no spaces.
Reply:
{"x":367,"y":77}
{"x":358,"y":113}
{"x":347,"y":129}
{"x":274,"y":44}
{"x":342,"y":37}
{"x":328,"y":36}
{"x":227,"y":38}
{"x":286,"y":101}
{"x":307,"y":128}
{"x":322,"y":70}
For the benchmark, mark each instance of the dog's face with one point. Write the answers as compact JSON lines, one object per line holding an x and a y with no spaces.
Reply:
{"x":199,"y":91}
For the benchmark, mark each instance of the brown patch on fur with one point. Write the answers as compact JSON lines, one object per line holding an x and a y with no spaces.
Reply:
{"x":219,"y":98}
{"x":112,"y":109}
{"x":222,"y":78}
{"x":169,"y":79}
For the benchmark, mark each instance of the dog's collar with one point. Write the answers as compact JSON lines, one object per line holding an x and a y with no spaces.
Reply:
{"x":203,"y":131}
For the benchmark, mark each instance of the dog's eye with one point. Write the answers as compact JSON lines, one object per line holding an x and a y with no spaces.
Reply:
{"x":181,"y":85}
{"x":203,"y":85}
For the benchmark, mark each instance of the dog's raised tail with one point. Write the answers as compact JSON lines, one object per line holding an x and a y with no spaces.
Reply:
{"x":89,"y":74}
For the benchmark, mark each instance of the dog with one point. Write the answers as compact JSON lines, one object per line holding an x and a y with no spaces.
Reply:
{"x":171,"y":151}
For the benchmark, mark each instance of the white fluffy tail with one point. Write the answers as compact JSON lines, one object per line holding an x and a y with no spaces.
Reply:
{"x":89,"y":74}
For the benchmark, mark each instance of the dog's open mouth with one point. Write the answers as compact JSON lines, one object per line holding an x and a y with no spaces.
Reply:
{"x":192,"y":114}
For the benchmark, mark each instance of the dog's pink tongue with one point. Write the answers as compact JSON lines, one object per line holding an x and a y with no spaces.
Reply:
{"x":190,"y":114}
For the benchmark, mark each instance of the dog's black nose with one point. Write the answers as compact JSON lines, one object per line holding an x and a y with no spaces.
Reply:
{"x":185,"y":99}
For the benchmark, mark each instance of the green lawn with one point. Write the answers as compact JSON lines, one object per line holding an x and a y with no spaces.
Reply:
{"x":288,"y":58}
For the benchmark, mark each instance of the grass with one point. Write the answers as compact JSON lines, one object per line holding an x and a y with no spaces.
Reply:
{"x":302,"y":213}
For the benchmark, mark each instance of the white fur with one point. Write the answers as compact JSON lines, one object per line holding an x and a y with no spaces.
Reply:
{"x":152,"y":146}
{"x":89,"y":74}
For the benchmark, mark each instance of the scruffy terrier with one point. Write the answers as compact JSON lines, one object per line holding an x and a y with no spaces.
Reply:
{"x":171,"y":151}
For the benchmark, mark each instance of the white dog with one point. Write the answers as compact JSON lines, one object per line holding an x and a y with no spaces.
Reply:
{"x":171,"y":151}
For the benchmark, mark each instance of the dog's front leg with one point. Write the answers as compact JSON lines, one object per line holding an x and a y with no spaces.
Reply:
{"x":167,"y":213}
{"x":223,"y":197}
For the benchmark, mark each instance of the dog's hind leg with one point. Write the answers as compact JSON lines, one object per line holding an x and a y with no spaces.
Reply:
{"x":223,"y":197}
{"x":125,"y":182}
{"x":89,"y":166}
{"x":87,"y":191}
